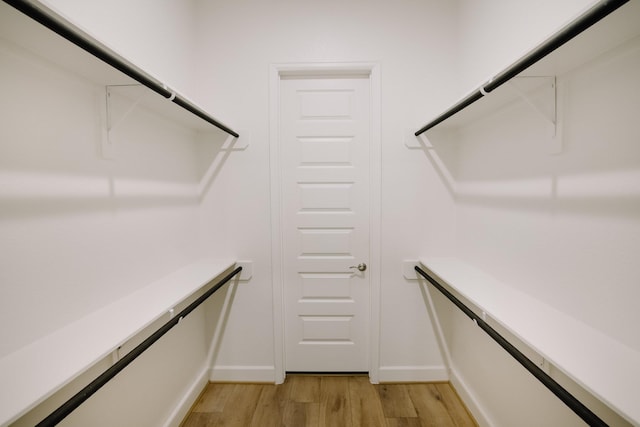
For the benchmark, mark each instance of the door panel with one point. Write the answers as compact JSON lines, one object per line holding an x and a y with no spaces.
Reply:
{"x":325,"y":206}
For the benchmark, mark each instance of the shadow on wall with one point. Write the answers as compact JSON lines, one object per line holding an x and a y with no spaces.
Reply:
{"x":215,"y":151}
{"x":33,"y":194}
{"x":217,"y":314}
{"x":169,"y":364}
{"x":78,"y":219}
{"x":557,"y":225}
{"x":503,"y":160}
{"x":478,"y":360}
{"x":70,"y":146}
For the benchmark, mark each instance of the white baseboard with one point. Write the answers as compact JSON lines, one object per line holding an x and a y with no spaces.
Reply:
{"x":470,"y":400}
{"x":252,"y":374}
{"x":187,"y":401}
{"x":389,"y":374}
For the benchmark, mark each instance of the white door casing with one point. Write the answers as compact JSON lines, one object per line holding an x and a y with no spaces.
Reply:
{"x":324,"y":134}
{"x":325,"y":183}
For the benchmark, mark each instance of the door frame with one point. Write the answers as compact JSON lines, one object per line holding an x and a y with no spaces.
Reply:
{"x":276,"y":73}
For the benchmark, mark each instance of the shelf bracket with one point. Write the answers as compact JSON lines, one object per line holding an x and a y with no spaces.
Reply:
{"x":110,"y":123}
{"x":541,"y":94}
{"x":115,"y":355}
{"x":545,"y":366}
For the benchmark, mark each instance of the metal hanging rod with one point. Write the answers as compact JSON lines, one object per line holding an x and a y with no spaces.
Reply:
{"x":577,"y":26}
{"x":98,"y":50}
{"x":70,"y":405}
{"x":567,"y":398}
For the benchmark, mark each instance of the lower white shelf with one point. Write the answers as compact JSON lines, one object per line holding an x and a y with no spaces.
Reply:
{"x":33,"y":373}
{"x":603,"y":366}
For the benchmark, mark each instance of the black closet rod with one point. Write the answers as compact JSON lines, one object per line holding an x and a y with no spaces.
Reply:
{"x":574,"y":404}
{"x":99,"y":51}
{"x":70,"y":405}
{"x":584,"y":21}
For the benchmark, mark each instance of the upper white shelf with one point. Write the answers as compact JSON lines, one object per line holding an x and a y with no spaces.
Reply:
{"x":28,"y":377}
{"x":26,"y":33}
{"x":603,"y":366}
{"x":612,"y":31}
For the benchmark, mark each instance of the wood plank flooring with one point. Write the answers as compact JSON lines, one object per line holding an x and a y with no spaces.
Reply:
{"x":329,"y":401}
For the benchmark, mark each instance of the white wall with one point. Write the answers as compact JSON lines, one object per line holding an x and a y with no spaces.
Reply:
{"x":69,"y":213}
{"x":157,"y":36}
{"x":492,"y":34}
{"x":154,"y":390}
{"x":58,"y":213}
{"x":412,"y":41}
{"x":79,"y":231}
{"x":563,"y":228}
{"x":80,"y":225}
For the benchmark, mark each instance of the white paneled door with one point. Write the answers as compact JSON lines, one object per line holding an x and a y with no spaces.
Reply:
{"x":325,"y":148}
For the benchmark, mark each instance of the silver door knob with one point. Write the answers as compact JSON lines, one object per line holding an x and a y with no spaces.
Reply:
{"x":361,"y":267}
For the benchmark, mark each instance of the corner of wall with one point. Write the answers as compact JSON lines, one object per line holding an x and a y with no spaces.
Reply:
{"x":470,"y":399}
{"x":189,"y":399}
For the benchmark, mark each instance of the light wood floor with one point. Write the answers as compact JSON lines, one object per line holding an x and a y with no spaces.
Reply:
{"x":329,"y":401}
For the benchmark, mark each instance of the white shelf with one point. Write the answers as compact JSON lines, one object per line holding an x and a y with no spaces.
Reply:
{"x":27,"y":34}
{"x":606,"y":368}
{"x":33,"y":373}
{"x":614,"y":30}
